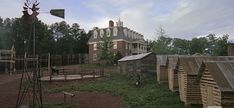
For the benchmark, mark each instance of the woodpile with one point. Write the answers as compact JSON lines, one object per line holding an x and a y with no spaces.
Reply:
{"x":217,"y":84}
{"x":162,"y":70}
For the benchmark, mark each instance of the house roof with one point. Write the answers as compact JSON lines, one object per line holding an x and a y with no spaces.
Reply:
{"x":192,"y":64}
{"x":134,"y":57}
{"x":119,"y":36}
{"x":222,"y":72}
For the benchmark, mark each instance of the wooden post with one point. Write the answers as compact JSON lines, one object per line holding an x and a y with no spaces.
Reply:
{"x":49,"y":65}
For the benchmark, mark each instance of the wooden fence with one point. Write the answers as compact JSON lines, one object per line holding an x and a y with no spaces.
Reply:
{"x":55,"y":60}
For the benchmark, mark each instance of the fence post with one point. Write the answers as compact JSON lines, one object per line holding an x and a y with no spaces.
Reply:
{"x":49,"y":65}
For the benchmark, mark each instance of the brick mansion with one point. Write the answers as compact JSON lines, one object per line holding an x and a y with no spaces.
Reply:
{"x":126,"y":41}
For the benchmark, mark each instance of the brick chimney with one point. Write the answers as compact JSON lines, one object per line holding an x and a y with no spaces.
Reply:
{"x":231,"y":49}
{"x":111,"y":23}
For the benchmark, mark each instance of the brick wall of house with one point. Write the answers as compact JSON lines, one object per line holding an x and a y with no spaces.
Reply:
{"x":120,"y":47}
{"x":90,"y":53}
{"x":231,"y":49}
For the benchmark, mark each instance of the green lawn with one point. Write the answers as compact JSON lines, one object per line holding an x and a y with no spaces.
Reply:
{"x":151,"y":95}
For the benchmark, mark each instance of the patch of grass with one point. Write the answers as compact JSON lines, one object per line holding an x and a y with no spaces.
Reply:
{"x":151,"y":95}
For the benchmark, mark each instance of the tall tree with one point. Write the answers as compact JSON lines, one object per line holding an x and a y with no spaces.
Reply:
{"x":181,"y":46}
{"x":199,"y":45}
{"x":163,"y":44}
{"x":104,"y":49}
{"x":1,"y":21}
{"x":217,"y":45}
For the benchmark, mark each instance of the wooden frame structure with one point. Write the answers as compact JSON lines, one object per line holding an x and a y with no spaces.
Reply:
{"x":189,"y":87}
{"x":7,"y":57}
{"x":144,"y":63}
{"x":162,"y":70}
{"x":217,"y":84}
{"x":172,"y":73}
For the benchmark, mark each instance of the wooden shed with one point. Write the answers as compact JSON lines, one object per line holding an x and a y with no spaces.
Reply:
{"x":172,"y":73}
{"x":162,"y":72}
{"x":188,"y":68}
{"x":138,"y":64}
{"x":217,"y":84}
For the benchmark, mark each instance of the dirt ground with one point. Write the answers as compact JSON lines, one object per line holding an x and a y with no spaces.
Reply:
{"x":9,"y":85}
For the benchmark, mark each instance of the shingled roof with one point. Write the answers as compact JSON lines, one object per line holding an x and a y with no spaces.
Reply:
{"x":162,"y":60}
{"x":192,"y":64}
{"x":134,"y":57}
{"x":222,"y":72}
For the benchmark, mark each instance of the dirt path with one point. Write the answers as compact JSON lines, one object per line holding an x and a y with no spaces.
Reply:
{"x":9,"y":90}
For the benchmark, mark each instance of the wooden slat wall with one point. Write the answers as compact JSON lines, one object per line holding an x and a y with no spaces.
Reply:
{"x":162,"y":74}
{"x":193,"y":94}
{"x":182,"y":81}
{"x":188,"y":88}
{"x":227,"y":100}
{"x":208,"y":81}
{"x":172,"y":80}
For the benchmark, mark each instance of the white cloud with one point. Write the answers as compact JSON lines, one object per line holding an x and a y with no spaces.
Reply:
{"x":180,"y":18}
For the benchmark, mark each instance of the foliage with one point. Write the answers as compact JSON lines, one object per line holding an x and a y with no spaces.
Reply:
{"x":162,"y":44}
{"x":217,"y":45}
{"x":151,"y":95}
{"x":117,"y":56}
{"x":209,"y":45}
{"x":104,"y":49}
{"x":57,"y":38}
{"x":181,"y":46}
{"x":198,"y":45}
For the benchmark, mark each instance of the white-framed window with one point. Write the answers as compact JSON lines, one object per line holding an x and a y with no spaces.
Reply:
{"x":115,"y":45}
{"x":94,"y":57}
{"x":95,"y":34}
{"x":115,"y":31}
{"x":94,"y":47}
{"x":129,"y":34}
{"x":126,"y":32}
{"x":133,"y":34}
{"x":101,"y":33}
{"x":108,"y":32}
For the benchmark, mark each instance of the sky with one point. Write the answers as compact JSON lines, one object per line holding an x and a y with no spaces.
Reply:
{"x":180,"y":18}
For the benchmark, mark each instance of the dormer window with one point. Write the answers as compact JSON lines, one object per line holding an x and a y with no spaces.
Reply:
{"x":115,"y":32}
{"x":126,"y":32}
{"x":108,"y":32}
{"x":95,"y":34}
{"x":101,"y":33}
{"x":129,"y":34}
